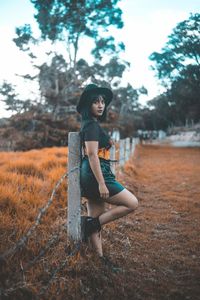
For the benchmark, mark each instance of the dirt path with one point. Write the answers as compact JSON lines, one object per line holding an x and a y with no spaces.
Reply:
{"x":157,"y":248}
{"x":164,"y":261}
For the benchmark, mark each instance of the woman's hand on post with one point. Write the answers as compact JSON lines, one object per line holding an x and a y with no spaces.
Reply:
{"x":104,"y":192}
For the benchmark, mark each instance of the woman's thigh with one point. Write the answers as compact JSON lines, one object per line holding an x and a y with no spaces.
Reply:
{"x":95,"y":208}
{"x":124,"y":198}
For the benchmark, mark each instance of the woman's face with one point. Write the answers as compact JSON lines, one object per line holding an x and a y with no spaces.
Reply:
{"x":98,"y":107}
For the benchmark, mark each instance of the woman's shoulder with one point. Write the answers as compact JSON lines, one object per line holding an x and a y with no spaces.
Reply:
{"x":89,"y":123}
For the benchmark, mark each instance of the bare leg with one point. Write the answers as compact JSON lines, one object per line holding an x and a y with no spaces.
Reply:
{"x":126,"y":202}
{"x":94,"y":210}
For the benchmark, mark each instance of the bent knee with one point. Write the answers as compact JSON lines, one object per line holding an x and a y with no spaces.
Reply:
{"x":133,"y":203}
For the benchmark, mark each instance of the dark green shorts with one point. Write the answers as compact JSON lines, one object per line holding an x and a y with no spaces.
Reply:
{"x":89,"y":184}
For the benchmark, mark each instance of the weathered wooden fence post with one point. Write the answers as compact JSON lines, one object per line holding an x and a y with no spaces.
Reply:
{"x":112,"y":157}
{"x":74,"y":192}
{"x":121,"y":152}
{"x":127,"y":148}
{"x":133,"y":142}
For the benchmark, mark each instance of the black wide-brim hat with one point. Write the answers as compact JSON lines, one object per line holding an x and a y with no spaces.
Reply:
{"x":93,"y":89}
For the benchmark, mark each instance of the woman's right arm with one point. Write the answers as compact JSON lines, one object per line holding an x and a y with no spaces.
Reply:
{"x":92,"y":150}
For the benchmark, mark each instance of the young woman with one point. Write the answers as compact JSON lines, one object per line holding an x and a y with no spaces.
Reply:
{"x":98,"y":183}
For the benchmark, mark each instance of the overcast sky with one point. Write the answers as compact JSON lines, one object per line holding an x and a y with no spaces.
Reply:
{"x":146,"y":27}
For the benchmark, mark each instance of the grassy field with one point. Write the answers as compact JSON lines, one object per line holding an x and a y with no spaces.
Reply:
{"x":156,"y":248}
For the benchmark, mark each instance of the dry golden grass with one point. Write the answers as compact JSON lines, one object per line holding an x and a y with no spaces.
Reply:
{"x":26,"y":182}
{"x":157,"y":247}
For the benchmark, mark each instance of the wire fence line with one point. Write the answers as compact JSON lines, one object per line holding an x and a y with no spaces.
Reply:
{"x":59,"y":268}
{"x":23,"y":284}
{"x":41,"y":213}
{"x":21,"y":243}
{"x":126,"y":149}
{"x":43,"y":210}
{"x":73,"y":175}
{"x":52,"y":241}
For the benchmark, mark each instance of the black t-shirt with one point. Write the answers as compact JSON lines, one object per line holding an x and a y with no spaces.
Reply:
{"x":92,"y":131}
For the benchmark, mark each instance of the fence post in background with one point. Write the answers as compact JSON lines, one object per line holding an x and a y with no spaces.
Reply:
{"x":121,"y":152}
{"x":133,"y":142}
{"x":112,"y":157}
{"x":74,"y":192}
{"x":127,"y":148}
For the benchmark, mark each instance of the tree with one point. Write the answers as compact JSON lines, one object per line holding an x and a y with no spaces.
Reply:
{"x":71,"y":20}
{"x":161,"y":112}
{"x":11,"y":98}
{"x":184,"y":94}
{"x":61,"y":80}
{"x":181,"y":50}
{"x":178,"y":68}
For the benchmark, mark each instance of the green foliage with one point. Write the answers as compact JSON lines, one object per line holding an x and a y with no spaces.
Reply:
{"x":60,"y":88}
{"x":61,"y":80}
{"x":184,"y":93}
{"x":81,"y":17}
{"x":11,"y":98}
{"x":24,"y":37}
{"x":69,"y":21}
{"x":161,"y":113}
{"x":181,"y":50}
{"x":127,"y":100}
{"x":107,"y":46}
{"x":178,"y":68}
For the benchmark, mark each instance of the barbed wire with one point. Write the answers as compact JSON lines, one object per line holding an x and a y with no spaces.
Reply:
{"x":42,"y":211}
{"x":53,"y":240}
{"x":58,"y":269}
{"x":43,"y":290}
{"x":42,"y":252}
{"x":15,"y":287}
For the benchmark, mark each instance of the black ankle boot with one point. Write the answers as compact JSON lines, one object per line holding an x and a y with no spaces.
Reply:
{"x":92,"y":225}
{"x":89,"y":225}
